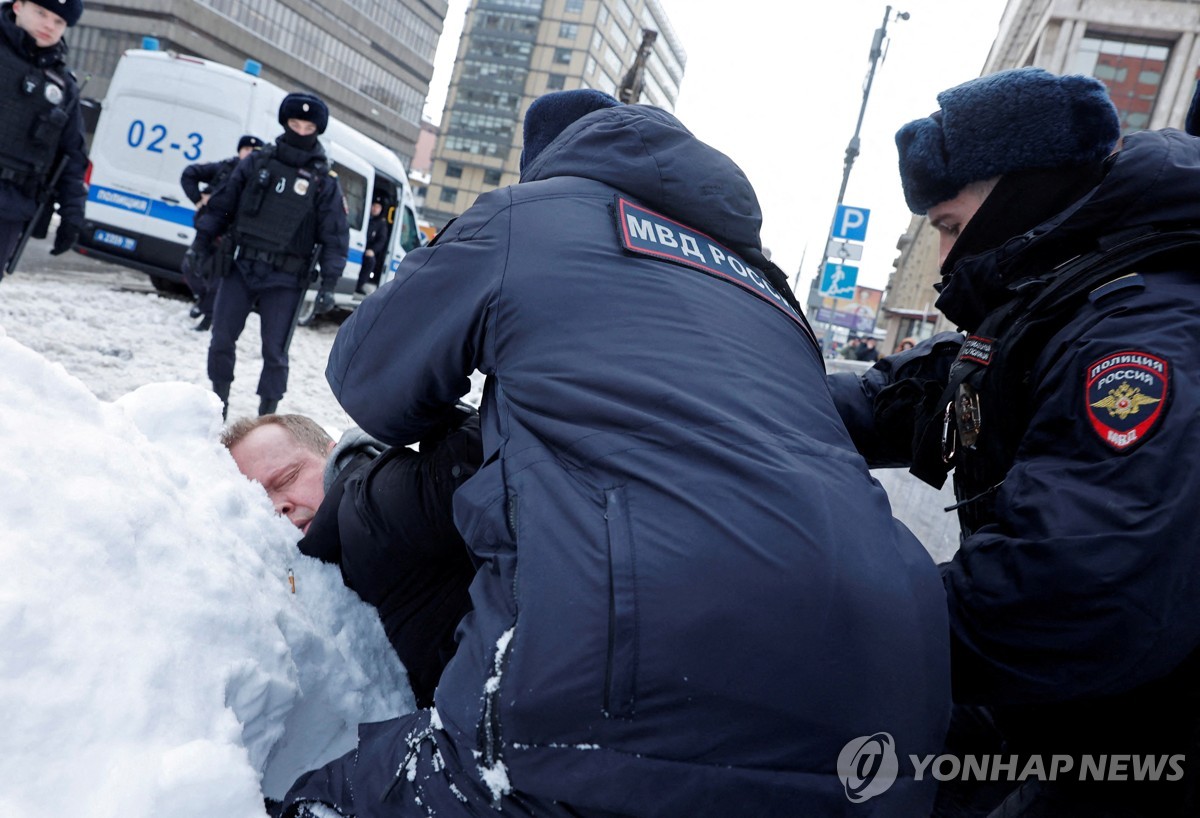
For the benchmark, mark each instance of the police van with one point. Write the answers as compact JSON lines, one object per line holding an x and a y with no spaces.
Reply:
{"x":163,"y":112}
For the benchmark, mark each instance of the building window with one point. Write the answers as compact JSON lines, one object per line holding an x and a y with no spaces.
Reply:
{"x":574,"y":6}
{"x":1131,"y":70}
{"x":449,"y":195}
{"x":602,"y":16}
{"x":568,"y":31}
{"x":454,"y":171}
{"x":562,"y":56}
{"x":491,"y":177}
{"x":589,"y":68}
{"x":556,"y":82}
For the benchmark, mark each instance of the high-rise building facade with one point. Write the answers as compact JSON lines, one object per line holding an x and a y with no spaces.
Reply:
{"x":513,"y":51}
{"x":371,"y":60}
{"x":1147,"y":52}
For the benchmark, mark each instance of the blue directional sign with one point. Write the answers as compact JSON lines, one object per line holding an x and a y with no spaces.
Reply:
{"x":851,"y":223}
{"x":837,"y":280}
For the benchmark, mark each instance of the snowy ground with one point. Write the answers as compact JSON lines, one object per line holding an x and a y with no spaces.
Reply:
{"x":156,"y":660}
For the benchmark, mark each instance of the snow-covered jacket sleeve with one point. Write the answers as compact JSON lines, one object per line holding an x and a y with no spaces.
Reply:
{"x":407,"y":353}
{"x":1088,"y":584}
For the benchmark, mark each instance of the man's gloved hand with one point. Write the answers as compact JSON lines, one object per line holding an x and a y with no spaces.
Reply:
{"x":65,"y":238}
{"x":324,"y":301}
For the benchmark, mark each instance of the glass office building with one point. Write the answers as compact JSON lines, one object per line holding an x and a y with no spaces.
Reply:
{"x":513,"y":51}
{"x":371,"y":60}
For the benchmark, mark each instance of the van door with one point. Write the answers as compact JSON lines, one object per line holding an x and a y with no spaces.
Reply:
{"x":355,"y":175}
{"x":406,"y":237}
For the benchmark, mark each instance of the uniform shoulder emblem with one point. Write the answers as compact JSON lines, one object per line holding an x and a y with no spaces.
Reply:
{"x":1125,"y":396}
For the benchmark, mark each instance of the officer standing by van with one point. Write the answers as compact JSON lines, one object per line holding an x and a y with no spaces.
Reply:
{"x":281,"y":212}
{"x":41,"y":125}
{"x":374,"y":256}
{"x":211,"y":175}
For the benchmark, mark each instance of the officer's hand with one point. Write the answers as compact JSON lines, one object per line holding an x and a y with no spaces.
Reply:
{"x":65,"y":238}
{"x":324,"y":302}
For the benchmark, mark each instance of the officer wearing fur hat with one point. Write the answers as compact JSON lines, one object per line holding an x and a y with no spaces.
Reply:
{"x":41,"y":126}
{"x":211,"y":175}
{"x":1069,"y":256}
{"x":280,"y":213}
{"x":677,"y":611}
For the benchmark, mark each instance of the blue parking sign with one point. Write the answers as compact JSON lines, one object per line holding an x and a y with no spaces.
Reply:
{"x":837,"y":280}
{"x":851,"y":223}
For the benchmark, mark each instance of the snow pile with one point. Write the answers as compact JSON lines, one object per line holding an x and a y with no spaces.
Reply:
{"x":156,"y":661}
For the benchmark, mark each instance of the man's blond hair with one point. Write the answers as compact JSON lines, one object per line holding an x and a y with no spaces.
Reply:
{"x":304,"y":430}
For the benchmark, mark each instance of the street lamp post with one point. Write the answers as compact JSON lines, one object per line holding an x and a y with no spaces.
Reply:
{"x":852,"y":149}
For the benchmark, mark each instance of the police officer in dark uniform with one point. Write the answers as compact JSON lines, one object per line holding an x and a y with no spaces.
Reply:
{"x":1070,"y":417}
{"x":211,"y":175}
{"x":281,"y":212}
{"x":374,"y":256}
{"x":41,"y":125}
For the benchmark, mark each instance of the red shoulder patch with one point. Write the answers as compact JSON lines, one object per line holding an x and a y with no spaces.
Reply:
{"x":1125,"y":395}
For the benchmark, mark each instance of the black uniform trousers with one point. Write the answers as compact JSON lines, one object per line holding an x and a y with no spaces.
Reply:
{"x":276,"y":295}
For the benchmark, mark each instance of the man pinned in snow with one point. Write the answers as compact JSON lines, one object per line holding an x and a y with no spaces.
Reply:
{"x":678,"y":612}
{"x":383,"y":515}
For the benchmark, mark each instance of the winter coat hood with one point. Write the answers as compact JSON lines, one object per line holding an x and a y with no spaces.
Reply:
{"x":648,"y":154}
{"x":1153,"y":181}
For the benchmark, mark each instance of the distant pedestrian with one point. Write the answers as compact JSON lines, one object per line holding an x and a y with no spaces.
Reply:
{"x":375,"y":254}
{"x":284,"y":211}
{"x":41,"y":126}
{"x":867,"y":350}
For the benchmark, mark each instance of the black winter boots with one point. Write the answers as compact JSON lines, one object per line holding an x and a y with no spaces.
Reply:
{"x":222,"y":392}
{"x":267,"y":406}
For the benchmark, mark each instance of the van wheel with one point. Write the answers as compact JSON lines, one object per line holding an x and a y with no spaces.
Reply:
{"x":168,"y":287}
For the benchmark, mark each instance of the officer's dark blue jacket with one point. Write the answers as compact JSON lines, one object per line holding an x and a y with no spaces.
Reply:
{"x":692,"y":594}
{"x":1077,"y":606}
{"x":71,"y":195}
{"x":332,"y":231}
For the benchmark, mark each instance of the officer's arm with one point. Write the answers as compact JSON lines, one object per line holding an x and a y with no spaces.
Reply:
{"x":192,"y":177}
{"x":217,"y":215}
{"x":333,"y":232}
{"x":886,"y":407}
{"x":407,"y":352}
{"x":70,"y":192}
{"x":1086,"y":584}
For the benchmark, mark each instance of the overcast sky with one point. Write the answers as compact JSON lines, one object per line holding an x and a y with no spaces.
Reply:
{"x":778,"y":86}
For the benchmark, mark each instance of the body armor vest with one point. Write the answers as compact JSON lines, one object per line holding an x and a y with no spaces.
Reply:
{"x":987,"y":402}
{"x":34,"y":101}
{"x":277,"y":213}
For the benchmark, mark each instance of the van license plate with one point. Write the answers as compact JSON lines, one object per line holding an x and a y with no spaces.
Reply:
{"x":116,"y":240}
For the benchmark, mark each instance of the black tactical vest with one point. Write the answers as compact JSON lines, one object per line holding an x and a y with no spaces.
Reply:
{"x":276,"y":218}
{"x":988,"y":403}
{"x":34,"y":101}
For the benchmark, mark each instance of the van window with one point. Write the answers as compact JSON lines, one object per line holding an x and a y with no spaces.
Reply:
{"x":354,"y":185}
{"x":410,"y":236}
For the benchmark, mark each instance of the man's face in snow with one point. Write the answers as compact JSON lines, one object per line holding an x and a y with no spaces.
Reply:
{"x":292,"y":474}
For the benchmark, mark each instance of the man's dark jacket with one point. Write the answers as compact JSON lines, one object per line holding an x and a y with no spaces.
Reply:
{"x":1075,"y":595}
{"x":210,"y":174}
{"x":693,"y":597}
{"x":71,"y":195}
{"x":387,"y":521}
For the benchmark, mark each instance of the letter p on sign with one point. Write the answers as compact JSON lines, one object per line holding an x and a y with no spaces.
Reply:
{"x":851,"y":223}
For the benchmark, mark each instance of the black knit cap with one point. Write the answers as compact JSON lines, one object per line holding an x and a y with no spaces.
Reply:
{"x":306,"y":107}
{"x":1020,"y":119}
{"x":69,"y":10}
